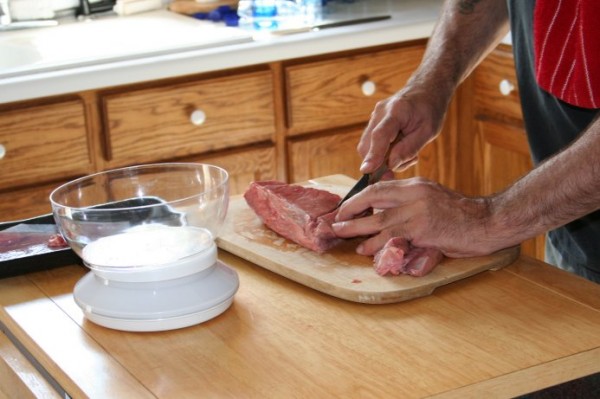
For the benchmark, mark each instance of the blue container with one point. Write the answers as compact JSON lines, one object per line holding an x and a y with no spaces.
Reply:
{"x":271,"y":14}
{"x":264,"y":13}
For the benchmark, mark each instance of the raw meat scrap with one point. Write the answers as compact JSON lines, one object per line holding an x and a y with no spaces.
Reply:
{"x":57,"y":241}
{"x":399,"y":256}
{"x":21,"y":244}
{"x":301,"y":214}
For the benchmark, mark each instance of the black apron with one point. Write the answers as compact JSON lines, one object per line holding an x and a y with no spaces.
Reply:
{"x":551,"y":126}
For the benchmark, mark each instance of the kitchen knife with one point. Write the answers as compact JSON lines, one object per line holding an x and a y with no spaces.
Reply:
{"x":374,"y":177}
{"x":326,"y":25}
{"x":364,"y":181}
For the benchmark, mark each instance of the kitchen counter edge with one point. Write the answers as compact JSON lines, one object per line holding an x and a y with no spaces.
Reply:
{"x":413,"y":23}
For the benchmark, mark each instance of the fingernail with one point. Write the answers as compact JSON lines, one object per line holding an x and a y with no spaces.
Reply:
{"x":360,"y":249}
{"x":337,"y":225}
{"x":364,"y":165}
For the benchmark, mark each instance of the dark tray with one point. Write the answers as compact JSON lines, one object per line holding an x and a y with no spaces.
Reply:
{"x":65,"y":256}
{"x":36,"y":262}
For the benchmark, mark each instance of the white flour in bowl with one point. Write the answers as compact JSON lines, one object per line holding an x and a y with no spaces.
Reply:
{"x":147,"y":245}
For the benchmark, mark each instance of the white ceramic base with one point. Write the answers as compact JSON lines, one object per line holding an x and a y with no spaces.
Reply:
{"x":157,"y":306}
{"x":172,"y":323}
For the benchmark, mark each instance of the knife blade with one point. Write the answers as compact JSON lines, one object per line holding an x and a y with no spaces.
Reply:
{"x":360,"y":185}
{"x":366,"y":180}
{"x":375,"y":176}
{"x":326,"y":25}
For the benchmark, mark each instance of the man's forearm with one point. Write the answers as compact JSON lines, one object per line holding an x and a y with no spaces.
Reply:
{"x":465,"y":33}
{"x":560,"y":190}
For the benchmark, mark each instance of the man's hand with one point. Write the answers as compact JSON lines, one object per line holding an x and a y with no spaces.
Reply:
{"x":466,"y":31}
{"x":406,"y":121}
{"x":425,"y":213}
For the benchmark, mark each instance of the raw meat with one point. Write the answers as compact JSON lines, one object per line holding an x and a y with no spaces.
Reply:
{"x":20,"y":244}
{"x":304,"y":215}
{"x":301,"y":214}
{"x":391,"y":258}
{"x":57,"y":241}
{"x":398,"y":256}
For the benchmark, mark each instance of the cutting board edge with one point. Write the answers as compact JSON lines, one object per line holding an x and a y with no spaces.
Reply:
{"x":504,"y":258}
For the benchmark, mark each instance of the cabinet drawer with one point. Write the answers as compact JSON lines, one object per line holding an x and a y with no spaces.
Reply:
{"x":43,"y":143}
{"x":344,"y":91}
{"x":496,"y":91}
{"x":185,"y":119}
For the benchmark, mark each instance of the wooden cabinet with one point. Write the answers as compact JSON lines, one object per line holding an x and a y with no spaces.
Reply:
{"x":500,"y":149}
{"x":42,"y":146}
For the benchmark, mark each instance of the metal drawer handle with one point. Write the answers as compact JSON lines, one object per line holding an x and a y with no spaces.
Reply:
{"x":198,"y":117}
{"x":2,"y":151}
{"x":368,"y":88}
{"x":506,"y":87}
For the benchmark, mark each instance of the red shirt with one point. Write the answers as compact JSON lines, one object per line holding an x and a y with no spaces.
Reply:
{"x":567,"y":50}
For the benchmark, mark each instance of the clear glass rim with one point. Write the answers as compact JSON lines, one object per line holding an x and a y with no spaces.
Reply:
{"x":168,"y":165}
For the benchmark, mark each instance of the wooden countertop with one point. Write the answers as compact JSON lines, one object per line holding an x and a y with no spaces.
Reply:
{"x":500,"y":333}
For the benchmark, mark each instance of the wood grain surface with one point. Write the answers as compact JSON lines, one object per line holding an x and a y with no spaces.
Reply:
{"x":44,"y":143}
{"x":20,"y":379}
{"x":495,"y":335}
{"x":153,"y":124}
{"x":339,"y":272}
{"x":327,"y":94}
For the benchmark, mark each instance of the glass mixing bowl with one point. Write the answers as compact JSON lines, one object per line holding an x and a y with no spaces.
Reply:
{"x":142,"y":216}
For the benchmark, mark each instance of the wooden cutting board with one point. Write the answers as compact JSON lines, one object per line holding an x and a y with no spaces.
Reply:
{"x":340,"y":272}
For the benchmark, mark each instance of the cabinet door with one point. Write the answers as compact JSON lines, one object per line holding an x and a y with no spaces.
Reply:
{"x":500,"y":148}
{"x":26,"y":203}
{"x":244,"y":166}
{"x":325,"y":155}
{"x":504,"y":158}
{"x":331,"y":154}
{"x":343,"y":91}
{"x":174,"y":121}
{"x":43,"y":143}
{"x":497,"y":94}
